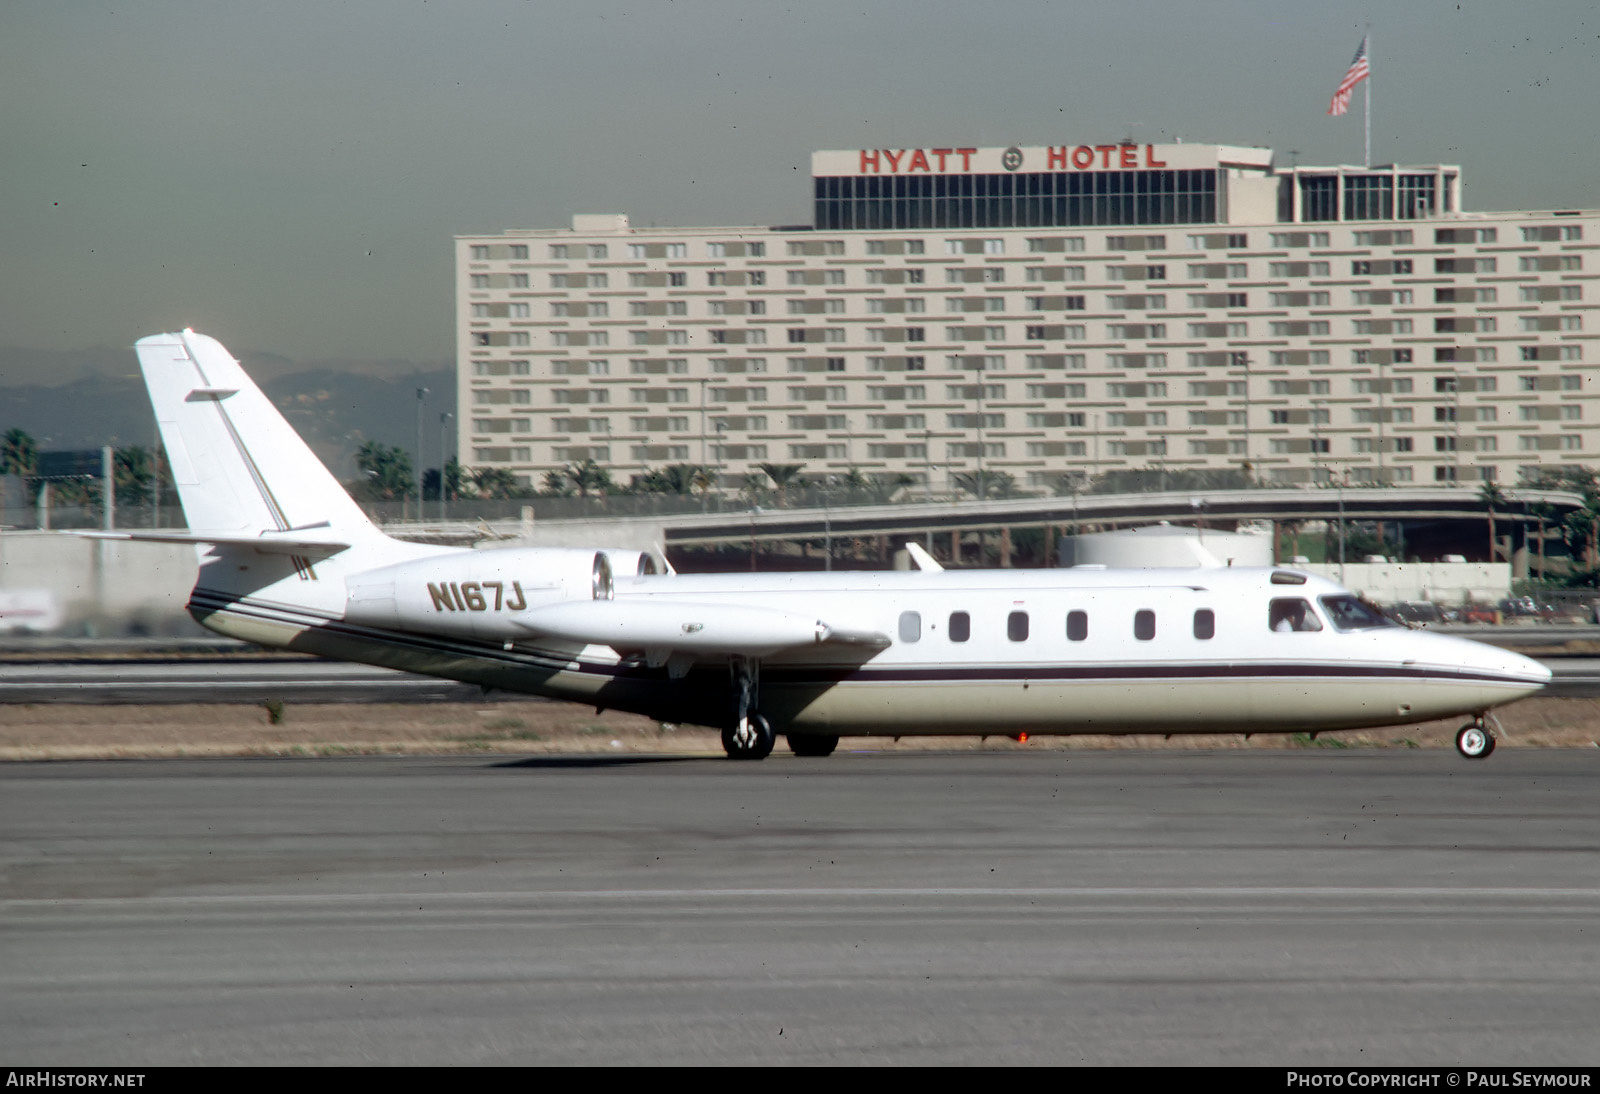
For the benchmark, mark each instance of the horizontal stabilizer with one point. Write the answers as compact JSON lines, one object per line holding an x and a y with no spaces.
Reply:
{"x":629,"y":625}
{"x":267,"y":542}
{"x":925,"y":562}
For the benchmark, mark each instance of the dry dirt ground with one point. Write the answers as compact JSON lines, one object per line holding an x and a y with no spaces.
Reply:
{"x":61,"y":731}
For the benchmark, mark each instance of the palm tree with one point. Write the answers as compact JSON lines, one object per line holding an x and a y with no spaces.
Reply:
{"x":1492,"y":497}
{"x":386,"y":471}
{"x":589,"y":478}
{"x":676,"y":478}
{"x":994,"y":484}
{"x":133,"y":473}
{"x":756,"y":488}
{"x":884,"y":488}
{"x":495,"y":482}
{"x":783,"y":476}
{"x":19,"y":454}
{"x":557,"y":485}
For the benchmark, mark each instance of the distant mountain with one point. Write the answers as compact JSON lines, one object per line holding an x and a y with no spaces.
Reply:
{"x":94,"y":397}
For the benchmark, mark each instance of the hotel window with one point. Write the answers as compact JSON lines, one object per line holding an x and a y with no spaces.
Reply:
{"x":1218,"y":271}
{"x":1380,"y":326}
{"x":558,"y":250}
{"x":597,"y":250}
{"x":1550,"y":322}
{"x":1482,"y":265}
{"x":1056,"y":243}
{"x":480,"y":281}
{"x":1465,"y":235}
{"x":1219,"y":330}
{"x":1293,"y":300}
{"x":1299,"y":239}
{"x":1369,"y":197}
{"x":1225,"y":300}
{"x":1056,"y":360}
{"x":1566,"y":233}
{"x":1537,"y":293}
{"x":1383,"y":238}
{"x":1299,"y":269}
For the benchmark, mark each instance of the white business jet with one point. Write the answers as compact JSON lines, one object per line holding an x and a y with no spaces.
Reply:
{"x":288,"y":560}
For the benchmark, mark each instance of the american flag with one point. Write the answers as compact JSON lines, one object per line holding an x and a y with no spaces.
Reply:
{"x":1359,"y":70}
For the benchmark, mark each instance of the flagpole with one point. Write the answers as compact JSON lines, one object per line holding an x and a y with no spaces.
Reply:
{"x":1367,"y":98}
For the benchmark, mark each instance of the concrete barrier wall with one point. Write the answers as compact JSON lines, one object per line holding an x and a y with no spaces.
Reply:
{"x":1440,"y":582}
{"x":100,"y":587}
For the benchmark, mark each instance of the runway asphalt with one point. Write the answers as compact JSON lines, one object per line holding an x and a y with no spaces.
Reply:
{"x":1312,"y":907}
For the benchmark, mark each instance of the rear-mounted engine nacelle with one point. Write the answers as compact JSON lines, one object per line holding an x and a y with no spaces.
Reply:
{"x":475,"y":593}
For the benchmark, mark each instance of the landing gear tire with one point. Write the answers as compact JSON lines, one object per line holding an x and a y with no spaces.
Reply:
{"x":751,"y":741}
{"x":1474,"y":741}
{"x":812,"y":744}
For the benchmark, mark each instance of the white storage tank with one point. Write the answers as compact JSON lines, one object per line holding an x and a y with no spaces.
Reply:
{"x":1165,"y":545}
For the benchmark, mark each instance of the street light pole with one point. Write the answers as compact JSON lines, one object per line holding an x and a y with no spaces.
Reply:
{"x":422,"y":393}
{"x":827,"y":524}
{"x":981,"y":490}
{"x":1316,"y":442}
{"x":1342,"y":484}
{"x":443,"y":419}
{"x":1244,"y":360}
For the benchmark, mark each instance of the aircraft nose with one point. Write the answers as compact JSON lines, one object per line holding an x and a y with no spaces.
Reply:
{"x":1517,"y":669}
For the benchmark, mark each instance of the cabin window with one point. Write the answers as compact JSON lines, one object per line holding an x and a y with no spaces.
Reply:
{"x":1144,"y":625}
{"x":1077,"y":626}
{"x":1289,"y":613}
{"x":1017,"y":626}
{"x":910,"y":626}
{"x":960,"y":626}
{"x":1205,"y":623}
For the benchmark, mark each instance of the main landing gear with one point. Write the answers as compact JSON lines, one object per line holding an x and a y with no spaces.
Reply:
{"x":750,"y":737}
{"x":1474,"y":741}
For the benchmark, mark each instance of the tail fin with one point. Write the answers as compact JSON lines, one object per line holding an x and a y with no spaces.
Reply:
{"x":240,"y":469}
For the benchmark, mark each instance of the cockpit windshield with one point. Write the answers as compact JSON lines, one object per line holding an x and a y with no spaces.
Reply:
{"x":1349,"y":613}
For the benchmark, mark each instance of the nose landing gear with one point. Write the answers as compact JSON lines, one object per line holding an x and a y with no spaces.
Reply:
{"x":1474,"y":741}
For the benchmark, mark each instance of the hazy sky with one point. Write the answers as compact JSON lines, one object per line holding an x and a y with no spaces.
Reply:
{"x":288,"y":175}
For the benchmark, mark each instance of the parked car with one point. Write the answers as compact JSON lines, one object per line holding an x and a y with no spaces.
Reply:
{"x":1417,"y":611}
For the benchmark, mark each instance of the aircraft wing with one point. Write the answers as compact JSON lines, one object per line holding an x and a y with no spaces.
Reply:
{"x":682,"y":627}
{"x":271,"y":543}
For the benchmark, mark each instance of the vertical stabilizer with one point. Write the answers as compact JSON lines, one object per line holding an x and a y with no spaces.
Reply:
{"x":239,"y":467}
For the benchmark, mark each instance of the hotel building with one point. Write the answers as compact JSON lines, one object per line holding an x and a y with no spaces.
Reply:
{"x":1052,"y":313}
